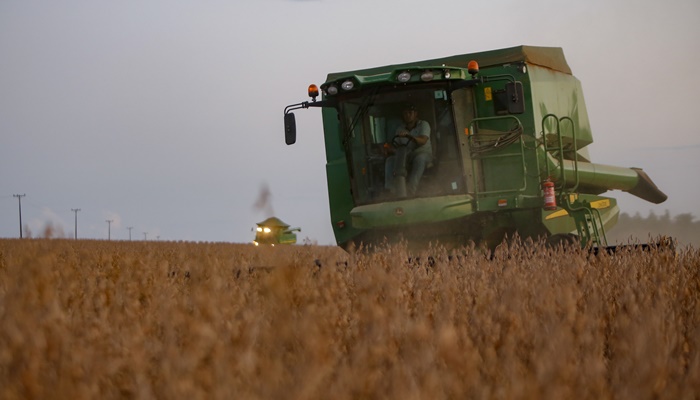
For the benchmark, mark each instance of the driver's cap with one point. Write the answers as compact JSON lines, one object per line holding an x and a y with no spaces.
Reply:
{"x":409,"y":107}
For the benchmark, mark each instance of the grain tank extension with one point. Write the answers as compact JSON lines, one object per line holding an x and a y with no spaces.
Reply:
{"x":503,"y":145}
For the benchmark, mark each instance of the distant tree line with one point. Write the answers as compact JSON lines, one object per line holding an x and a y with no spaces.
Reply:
{"x":681,"y":227}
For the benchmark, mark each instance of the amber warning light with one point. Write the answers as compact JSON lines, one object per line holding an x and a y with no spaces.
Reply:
{"x":473,"y":68}
{"x":313,"y":91}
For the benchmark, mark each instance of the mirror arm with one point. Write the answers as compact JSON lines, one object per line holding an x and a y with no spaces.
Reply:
{"x":306,"y":104}
{"x":322,"y":103}
{"x":297,"y":106}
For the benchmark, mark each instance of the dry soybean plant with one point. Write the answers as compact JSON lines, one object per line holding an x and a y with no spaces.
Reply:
{"x":100,"y":319}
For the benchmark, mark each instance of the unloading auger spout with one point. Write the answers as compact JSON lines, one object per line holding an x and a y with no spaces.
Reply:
{"x":599,"y":178}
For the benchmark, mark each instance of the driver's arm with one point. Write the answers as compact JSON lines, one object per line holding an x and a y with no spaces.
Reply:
{"x":421,"y":140}
{"x":423,"y":133}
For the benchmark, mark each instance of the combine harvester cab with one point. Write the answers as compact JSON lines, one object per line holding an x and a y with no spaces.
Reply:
{"x":509,"y":136}
{"x":273,"y":231}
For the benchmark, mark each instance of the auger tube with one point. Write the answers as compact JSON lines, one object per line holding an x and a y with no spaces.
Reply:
{"x":598,"y":178}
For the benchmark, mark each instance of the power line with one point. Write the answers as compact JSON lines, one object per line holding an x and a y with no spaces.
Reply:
{"x":19,"y":199}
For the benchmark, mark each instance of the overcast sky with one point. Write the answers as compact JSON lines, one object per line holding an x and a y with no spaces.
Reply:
{"x":166,"y":116}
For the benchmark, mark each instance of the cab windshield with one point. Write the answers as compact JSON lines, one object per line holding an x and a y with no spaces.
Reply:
{"x":384,"y":167}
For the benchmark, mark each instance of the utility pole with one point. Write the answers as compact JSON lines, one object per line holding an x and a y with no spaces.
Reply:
{"x":19,"y":198}
{"x":75,"y":210}
{"x":145,"y":235}
{"x":109,"y":228}
{"x":129,"y":228}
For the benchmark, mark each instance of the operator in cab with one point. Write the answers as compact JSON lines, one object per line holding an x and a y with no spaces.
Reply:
{"x":414,"y":134}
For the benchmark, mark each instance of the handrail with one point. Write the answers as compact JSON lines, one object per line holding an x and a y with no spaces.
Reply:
{"x":573,"y":135}
{"x":589,"y":222}
{"x":560,"y":149}
{"x":547,"y":148}
{"x":595,"y":220}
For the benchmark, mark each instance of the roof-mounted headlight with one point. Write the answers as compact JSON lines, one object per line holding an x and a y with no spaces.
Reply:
{"x":404,"y":77}
{"x":332,"y":90}
{"x":347,"y":85}
{"x":427,"y":76}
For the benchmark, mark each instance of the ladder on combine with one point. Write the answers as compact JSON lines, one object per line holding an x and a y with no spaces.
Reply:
{"x":587,"y":219}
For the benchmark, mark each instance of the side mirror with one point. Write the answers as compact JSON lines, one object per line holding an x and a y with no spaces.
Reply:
{"x":290,"y":128}
{"x":515,"y":97}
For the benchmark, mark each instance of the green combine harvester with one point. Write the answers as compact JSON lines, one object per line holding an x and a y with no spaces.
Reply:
{"x":507,"y":153}
{"x":273,"y":231}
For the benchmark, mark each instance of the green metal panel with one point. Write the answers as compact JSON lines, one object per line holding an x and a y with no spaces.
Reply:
{"x":288,"y":238}
{"x":332,"y":135}
{"x":338,"y":179}
{"x":414,"y":211}
{"x":340,"y":200}
{"x":559,"y":221}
